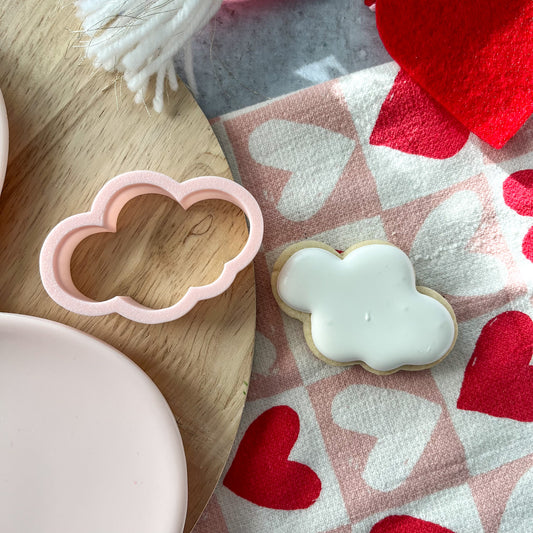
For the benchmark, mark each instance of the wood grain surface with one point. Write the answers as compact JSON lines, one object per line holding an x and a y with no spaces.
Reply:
{"x":73,"y":128}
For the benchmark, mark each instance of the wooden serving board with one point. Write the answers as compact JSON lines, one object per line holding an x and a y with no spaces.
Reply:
{"x":72,"y":128}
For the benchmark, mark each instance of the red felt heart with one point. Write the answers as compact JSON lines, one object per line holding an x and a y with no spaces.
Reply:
{"x":498,"y":379}
{"x":261,"y":471}
{"x":407,"y":524}
{"x":413,"y":122}
{"x":474,"y":58}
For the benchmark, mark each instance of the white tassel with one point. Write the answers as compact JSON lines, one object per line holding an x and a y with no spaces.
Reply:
{"x":141,"y":37}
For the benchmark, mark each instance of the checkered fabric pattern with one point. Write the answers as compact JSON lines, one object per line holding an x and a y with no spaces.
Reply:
{"x":321,"y":448}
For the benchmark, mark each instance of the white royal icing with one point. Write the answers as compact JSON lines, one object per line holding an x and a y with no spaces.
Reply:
{"x":365,"y":307}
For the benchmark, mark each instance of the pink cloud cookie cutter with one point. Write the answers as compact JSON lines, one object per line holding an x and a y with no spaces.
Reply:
{"x":4,"y":140}
{"x":57,"y":250}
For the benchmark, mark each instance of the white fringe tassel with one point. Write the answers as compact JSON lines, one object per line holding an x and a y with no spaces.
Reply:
{"x":141,"y":37}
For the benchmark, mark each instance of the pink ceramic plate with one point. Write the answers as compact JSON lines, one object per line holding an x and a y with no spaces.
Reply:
{"x":87,"y":442}
{"x":4,"y":142}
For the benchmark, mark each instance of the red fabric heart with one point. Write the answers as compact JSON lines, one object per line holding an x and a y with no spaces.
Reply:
{"x":498,"y":379}
{"x":413,"y":122}
{"x":261,"y":472}
{"x":518,"y":192}
{"x":527,"y":244}
{"x":518,"y":195}
{"x":407,"y":524}
{"x":473,"y":57}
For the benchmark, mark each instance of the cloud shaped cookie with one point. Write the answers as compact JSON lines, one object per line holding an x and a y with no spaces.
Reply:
{"x":363,"y":306}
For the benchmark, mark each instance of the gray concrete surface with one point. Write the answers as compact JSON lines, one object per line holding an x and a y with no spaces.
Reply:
{"x":256,"y":50}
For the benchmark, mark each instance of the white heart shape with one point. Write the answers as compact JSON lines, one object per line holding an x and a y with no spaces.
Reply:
{"x":440,"y":253}
{"x":316,"y":157}
{"x":402,"y":423}
{"x":264,"y":355}
{"x":517,"y":514}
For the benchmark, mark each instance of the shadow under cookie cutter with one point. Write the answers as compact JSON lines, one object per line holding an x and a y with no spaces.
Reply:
{"x":57,"y":250}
